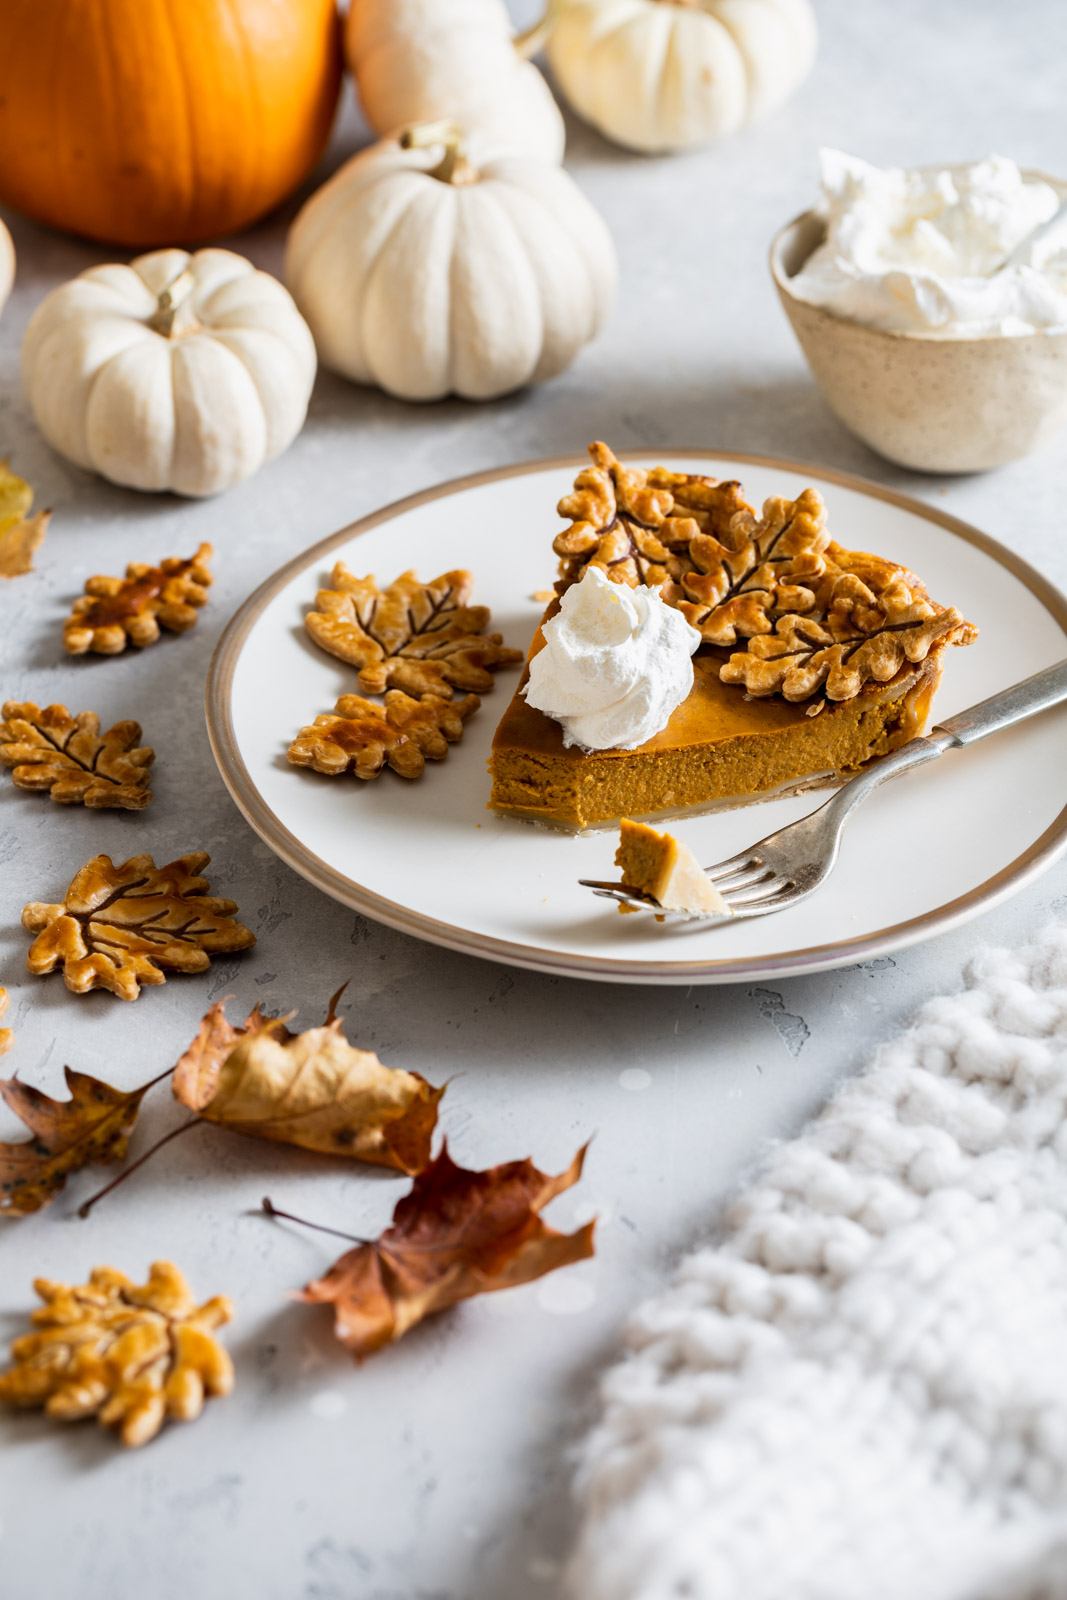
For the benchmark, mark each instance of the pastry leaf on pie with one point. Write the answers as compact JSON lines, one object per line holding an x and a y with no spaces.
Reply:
{"x":809,"y":615}
{"x":423,"y":638}
{"x":860,"y":638}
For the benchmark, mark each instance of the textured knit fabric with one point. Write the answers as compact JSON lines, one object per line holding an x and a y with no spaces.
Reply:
{"x":861,"y":1393}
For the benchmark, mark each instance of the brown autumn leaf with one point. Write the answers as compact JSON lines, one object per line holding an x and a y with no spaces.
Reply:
{"x":20,"y":534}
{"x":311,"y":1089}
{"x":457,"y":1233}
{"x":92,"y":1126}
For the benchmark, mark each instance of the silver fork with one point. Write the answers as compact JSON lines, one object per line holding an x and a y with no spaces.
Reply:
{"x":789,"y":865}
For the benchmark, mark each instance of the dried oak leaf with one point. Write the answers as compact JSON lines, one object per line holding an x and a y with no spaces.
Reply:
{"x":420,"y":637}
{"x":92,"y":1126}
{"x":362,"y":737}
{"x":113,"y":611}
{"x":20,"y":534}
{"x":71,"y":758}
{"x":119,"y":926}
{"x":630,"y":522}
{"x":456,"y":1234}
{"x":129,"y":1356}
{"x":311,"y":1089}
{"x":7,"y":1038}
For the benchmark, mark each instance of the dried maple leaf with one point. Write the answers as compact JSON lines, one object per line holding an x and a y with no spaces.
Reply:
{"x":7,"y":1038}
{"x":71,"y":758}
{"x":20,"y":534}
{"x":420,"y":637}
{"x":119,"y":926}
{"x":457,"y":1234}
{"x":311,"y":1089}
{"x":113,"y":611}
{"x":92,"y":1126}
{"x":129,"y":1356}
{"x":362,"y":737}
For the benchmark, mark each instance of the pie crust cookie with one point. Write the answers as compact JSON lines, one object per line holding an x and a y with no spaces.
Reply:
{"x":816,"y":659}
{"x":363,"y":737}
{"x":69,"y":758}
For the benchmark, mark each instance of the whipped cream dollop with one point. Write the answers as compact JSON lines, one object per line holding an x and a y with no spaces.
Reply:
{"x":911,"y":252}
{"x":616,"y":663}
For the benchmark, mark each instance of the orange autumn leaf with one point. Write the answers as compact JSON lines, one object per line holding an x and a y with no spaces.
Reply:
{"x":457,"y":1233}
{"x":311,"y":1089}
{"x":92,"y":1126}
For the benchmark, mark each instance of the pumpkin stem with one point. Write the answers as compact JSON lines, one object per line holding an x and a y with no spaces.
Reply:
{"x":453,"y":167}
{"x":171,"y":300}
{"x":530,"y":40}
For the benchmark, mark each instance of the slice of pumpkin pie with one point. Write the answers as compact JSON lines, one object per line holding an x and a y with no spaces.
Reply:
{"x":810,"y":660}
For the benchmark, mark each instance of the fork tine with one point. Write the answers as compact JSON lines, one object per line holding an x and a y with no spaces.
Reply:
{"x":722,"y":869}
{"x":742,"y":878}
{"x":756,"y":894}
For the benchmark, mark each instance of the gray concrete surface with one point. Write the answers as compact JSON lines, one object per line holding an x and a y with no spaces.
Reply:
{"x":440,"y":1470}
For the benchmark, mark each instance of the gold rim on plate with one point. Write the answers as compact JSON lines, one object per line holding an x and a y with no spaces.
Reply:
{"x":613,"y":969}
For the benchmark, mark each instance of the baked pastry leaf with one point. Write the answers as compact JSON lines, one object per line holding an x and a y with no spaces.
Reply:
{"x":363,"y":737}
{"x":119,"y":927}
{"x":630,"y":522}
{"x":68,"y":756}
{"x":7,"y":1038}
{"x":130,"y":1356}
{"x":115,"y":611}
{"x":812,"y":618}
{"x":423,"y":638}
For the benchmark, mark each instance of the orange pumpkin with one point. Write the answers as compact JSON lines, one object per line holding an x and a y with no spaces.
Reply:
{"x":150,"y":122}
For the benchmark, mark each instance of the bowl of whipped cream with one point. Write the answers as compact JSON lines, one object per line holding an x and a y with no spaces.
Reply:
{"x":923,"y":342}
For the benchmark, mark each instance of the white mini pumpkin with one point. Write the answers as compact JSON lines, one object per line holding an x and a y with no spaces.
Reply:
{"x":180,"y":372}
{"x":421,"y":60}
{"x":7,"y":265}
{"x":658,"y":75}
{"x":428,"y":276}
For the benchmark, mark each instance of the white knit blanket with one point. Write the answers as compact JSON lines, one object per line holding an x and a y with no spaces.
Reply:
{"x":861,"y":1393}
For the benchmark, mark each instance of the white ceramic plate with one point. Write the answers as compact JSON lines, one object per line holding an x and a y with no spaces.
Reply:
{"x":925,"y":853}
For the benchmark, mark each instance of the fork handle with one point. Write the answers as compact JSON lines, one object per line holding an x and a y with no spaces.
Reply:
{"x":1043,"y":690}
{"x":1012,"y":705}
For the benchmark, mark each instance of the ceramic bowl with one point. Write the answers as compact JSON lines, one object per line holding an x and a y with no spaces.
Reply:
{"x":934,"y":404}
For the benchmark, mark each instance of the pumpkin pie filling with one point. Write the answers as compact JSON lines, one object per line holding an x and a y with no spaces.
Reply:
{"x":842,"y":671}
{"x":720,"y":748}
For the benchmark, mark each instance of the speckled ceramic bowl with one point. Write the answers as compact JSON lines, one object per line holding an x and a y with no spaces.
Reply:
{"x":935,"y":404}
